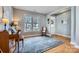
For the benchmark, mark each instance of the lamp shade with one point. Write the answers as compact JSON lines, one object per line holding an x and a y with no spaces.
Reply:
{"x":5,"y":20}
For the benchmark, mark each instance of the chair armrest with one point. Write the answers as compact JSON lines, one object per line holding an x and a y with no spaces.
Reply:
{"x":18,"y":31}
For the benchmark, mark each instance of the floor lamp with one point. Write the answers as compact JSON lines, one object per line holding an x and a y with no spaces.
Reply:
{"x":5,"y":22}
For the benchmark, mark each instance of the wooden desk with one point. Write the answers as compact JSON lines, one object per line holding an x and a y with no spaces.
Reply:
{"x":4,"y":41}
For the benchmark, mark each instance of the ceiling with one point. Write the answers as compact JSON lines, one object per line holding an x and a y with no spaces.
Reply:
{"x":41,"y":9}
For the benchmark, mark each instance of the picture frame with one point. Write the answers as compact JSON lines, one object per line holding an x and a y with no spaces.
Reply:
{"x":48,"y":20}
{"x":63,"y":21}
{"x":52,"y":22}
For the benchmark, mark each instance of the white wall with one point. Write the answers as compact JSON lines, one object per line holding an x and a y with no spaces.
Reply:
{"x":0,"y":12}
{"x":1,"y":24}
{"x":63,"y":28}
{"x":50,"y":27}
{"x":8,"y":13}
{"x":77,"y":27}
{"x":73,"y":24}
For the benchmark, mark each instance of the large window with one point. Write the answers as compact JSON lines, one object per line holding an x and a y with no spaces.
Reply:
{"x":31,"y":24}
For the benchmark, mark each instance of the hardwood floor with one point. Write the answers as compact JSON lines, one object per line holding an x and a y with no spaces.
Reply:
{"x":64,"y":48}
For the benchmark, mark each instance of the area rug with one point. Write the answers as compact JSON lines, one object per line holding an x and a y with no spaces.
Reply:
{"x":38,"y":44}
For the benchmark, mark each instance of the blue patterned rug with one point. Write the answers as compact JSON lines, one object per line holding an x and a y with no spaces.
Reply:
{"x":38,"y":44}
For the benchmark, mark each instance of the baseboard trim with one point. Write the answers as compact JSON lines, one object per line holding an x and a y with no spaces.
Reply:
{"x":31,"y":35}
{"x":63,"y":35}
{"x":49,"y":35}
{"x":73,"y":43}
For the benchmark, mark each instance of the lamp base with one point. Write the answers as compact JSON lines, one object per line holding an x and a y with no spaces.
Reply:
{"x":4,"y":26}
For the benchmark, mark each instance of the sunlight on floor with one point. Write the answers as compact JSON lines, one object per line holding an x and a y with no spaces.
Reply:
{"x":64,"y":48}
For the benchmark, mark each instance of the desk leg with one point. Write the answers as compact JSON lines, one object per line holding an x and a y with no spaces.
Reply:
{"x":18,"y":46}
{"x":22,"y":43}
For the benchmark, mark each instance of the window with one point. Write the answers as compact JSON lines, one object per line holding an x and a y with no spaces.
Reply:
{"x":27,"y":24}
{"x":36,"y":24}
{"x":31,"y":24}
